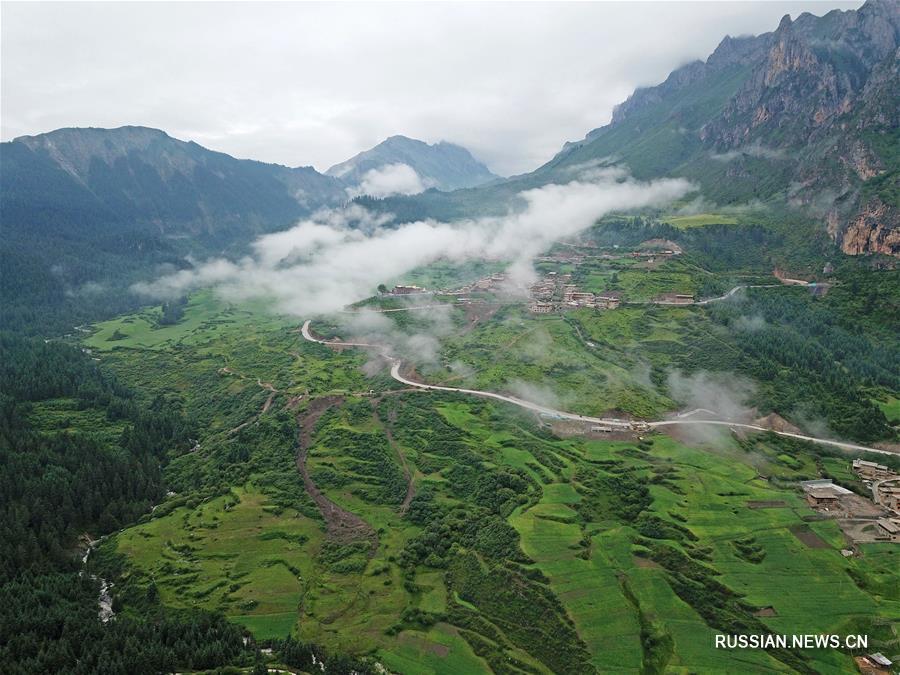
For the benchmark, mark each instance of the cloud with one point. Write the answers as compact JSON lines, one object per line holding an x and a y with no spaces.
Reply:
{"x":387,"y":180}
{"x":586,"y":170}
{"x":338,"y":257}
{"x":725,"y":394}
{"x":702,"y":205}
{"x":325,"y":228}
{"x":419,"y":342}
{"x":749,"y":324}
{"x":541,"y":394}
{"x":753,"y":150}
{"x":316,"y":83}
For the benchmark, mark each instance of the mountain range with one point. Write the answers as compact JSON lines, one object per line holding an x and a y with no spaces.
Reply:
{"x":806,"y":117}
{"x":139,"y":177}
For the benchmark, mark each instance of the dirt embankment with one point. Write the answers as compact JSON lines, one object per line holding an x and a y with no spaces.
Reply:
{"x":342,"y":525}
{"x":776,"y":422}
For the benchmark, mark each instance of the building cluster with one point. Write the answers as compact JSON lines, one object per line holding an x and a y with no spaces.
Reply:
{"x":493,"y":282}
{"x":871,"y":471}
{"x":862,"y":520}
{"x":407,"y":290}
{"x":549,"y":286}
{"x":885,"y":487}
{"x":570,"y":257}
{"x":557,"y":292}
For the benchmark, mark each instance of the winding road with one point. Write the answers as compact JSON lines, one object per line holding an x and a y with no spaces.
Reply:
{"x":733,"y":291}
{"x":396,"y":364}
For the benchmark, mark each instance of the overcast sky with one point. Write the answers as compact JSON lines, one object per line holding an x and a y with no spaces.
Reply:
{"x":313,"y":84}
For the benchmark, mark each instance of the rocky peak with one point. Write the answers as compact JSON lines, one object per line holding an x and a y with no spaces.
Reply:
{"x":443,"y":165}
{"x":736,"y":50}
{"x":789,"y":53}
{"x":817,"y":97}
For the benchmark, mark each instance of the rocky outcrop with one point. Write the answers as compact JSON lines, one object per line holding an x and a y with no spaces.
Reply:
{"x":875,"y":229}
{"x":805,"y":116}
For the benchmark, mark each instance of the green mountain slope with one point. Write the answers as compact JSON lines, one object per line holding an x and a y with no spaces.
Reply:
{"x":85,"y":211}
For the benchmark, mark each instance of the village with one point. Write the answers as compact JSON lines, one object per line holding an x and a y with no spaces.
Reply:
{"x":863,"y":520}
{"x":555,"y":291}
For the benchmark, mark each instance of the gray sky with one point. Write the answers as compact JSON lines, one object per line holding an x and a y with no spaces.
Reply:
{"x":313,"y":84}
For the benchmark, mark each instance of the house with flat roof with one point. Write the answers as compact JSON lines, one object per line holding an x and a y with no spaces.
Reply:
{"x":821,"y":497}
{"x":822,"y":493}
{"x":674,"y":299}
{"x":871,"y":470}
{"x":887,"y":529}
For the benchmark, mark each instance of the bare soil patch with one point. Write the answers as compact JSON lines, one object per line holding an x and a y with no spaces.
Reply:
{"x":808,"y":537}
{"x":646,"y":563}
{"x":859,"y":507}
{"x":776,"y":422}
{"x":766,"y":504}
{"x":765,"y":612}
{"x":342,"y":525}
{"x":477,"y":313}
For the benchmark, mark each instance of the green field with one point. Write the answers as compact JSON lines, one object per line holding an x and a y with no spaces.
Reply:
{"x":602,"y":542}
{"x":69,"y":416}
{"x":545,"y":356}
{"x":231,"y":553}
{"x":206,"y":317}
{"x":890,"y":407}
{"x":700,"y":220}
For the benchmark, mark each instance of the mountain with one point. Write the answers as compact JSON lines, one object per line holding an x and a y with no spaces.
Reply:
{"x":86,"y":211}
{"x":803,"y":121}
{"x":806,"y":116}
{"x":444,"y":166}
{"x":138,"y":177}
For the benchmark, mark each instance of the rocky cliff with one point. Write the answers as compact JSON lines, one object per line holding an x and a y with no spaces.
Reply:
{"x":808,"y":113}
{"x":874,"y":229}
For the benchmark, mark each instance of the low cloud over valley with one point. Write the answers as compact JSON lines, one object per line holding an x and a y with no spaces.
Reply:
{"x":338,"y":257}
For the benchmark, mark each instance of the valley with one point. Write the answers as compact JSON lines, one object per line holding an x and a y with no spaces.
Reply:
{"x":348,"y":402}
{"x":385,"y":505}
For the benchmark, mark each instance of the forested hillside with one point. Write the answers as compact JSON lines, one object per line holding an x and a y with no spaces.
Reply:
{"x":81,"y":458}
{"x":86,"y":212}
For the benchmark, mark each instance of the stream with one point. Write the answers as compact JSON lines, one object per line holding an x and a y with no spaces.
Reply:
{"x":104,"y":597}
